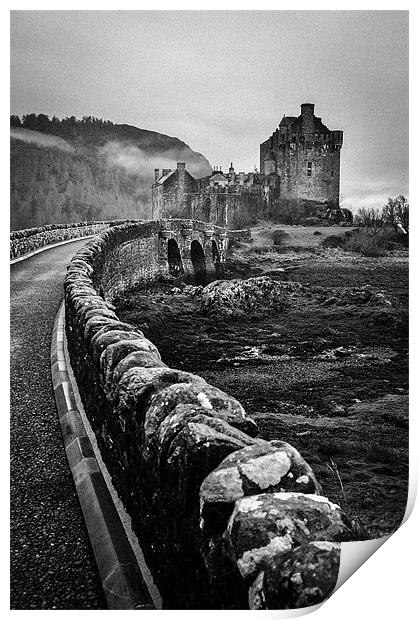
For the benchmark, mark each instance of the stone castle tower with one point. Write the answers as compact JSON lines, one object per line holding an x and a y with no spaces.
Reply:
{"x":305,"y":154}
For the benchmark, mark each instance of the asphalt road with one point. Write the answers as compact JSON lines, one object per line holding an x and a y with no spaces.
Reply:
{"x":52,"y":564}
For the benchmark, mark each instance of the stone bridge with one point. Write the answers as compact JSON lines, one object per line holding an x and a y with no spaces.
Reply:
{"x":194,"y":247}
{"x":142,"y":251}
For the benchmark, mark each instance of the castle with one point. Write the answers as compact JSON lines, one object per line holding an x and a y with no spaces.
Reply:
{"x":299,"y":181}
{"x":306,"y":156}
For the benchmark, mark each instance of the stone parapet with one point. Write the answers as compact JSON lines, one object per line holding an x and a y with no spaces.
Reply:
{"x":31,"y":239}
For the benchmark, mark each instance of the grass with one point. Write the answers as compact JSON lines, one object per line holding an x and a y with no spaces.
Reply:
{"x":267,"y":236}
{"x":295,"y":236}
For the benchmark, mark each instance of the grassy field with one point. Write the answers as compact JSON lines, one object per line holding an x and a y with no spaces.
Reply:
{"x":327,"y":374}
{"x":295,"y":236}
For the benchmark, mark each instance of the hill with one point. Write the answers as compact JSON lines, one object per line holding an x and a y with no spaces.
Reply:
{"x":77,"y":170}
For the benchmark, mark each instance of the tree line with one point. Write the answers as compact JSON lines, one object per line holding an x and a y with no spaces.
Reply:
{"x":394,"y":214}
{"x":42,"y":122}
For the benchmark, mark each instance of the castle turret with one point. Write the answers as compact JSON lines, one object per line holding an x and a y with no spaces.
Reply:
{"x":307,"y":117}
{"x":231,"y":174}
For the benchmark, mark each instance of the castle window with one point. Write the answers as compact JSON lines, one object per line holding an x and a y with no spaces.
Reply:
{"x":332,"y":173}
{"x":309,"y":168}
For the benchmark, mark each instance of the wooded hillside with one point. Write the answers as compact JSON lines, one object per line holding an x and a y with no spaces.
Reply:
{"x":78,"y":170}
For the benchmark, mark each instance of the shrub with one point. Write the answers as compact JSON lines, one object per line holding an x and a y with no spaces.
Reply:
{"x":367,"y":244}
{"x":333,"y":241}
{"x":396,"y":238}
{"x":278,"y":236}
{"x":240,"y":220}
{"x":265,"y":249}
{"x":234,"y":244}
{"x":312,"y":221}
{"x":317,"y":232}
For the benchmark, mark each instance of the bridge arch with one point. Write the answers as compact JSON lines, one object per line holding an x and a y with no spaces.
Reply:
{"x":198,"y":262}
{"x":174,"y":258}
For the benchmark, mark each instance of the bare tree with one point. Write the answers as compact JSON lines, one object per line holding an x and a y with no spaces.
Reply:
{"x":371,"y":218}
{"x":396,"y":213}
{"x":389,"y":213}
{"x":402,"y":213}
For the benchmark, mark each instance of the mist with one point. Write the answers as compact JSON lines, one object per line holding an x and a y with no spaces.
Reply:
{"x":41,"y":139}
{"x":135,"y":161}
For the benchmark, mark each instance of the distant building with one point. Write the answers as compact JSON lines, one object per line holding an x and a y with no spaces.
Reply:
{"x":171,"y":192}
{"x":306,"y":156}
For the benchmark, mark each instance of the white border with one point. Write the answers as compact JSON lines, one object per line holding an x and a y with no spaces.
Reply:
{"x":385,"y":587}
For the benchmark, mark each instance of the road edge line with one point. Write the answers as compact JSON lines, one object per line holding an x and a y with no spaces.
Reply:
{"x":120,"y":575}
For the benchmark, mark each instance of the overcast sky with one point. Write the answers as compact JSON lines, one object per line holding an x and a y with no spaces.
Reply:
{"x":221,"y":81}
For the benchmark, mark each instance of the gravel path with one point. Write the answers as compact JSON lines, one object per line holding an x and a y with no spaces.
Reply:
{"x":52,"y":564}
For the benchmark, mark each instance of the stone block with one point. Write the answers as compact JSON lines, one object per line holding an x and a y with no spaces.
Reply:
{"x":306,"y":576}
{"x":136,"y":359}
{"x":201,"y":396}
{"x":265,"y":467}
{"x":100,"y":343}
{"x":265,"y":526}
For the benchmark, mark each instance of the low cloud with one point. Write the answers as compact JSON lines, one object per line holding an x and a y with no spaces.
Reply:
{"x":372,"y":193}
{"x":41,"y":139}
{"x":136,"y":161}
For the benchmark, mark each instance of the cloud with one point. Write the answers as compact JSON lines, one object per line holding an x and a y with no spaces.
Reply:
{"x":41,"y":139}
{"x":372,"y":192}
{"x":137,"y":161}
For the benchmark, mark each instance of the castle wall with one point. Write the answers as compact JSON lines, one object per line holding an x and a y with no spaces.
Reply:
{"x":294,"y":166}
{"x":216,"y":207}
{"x":156,"y":201}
